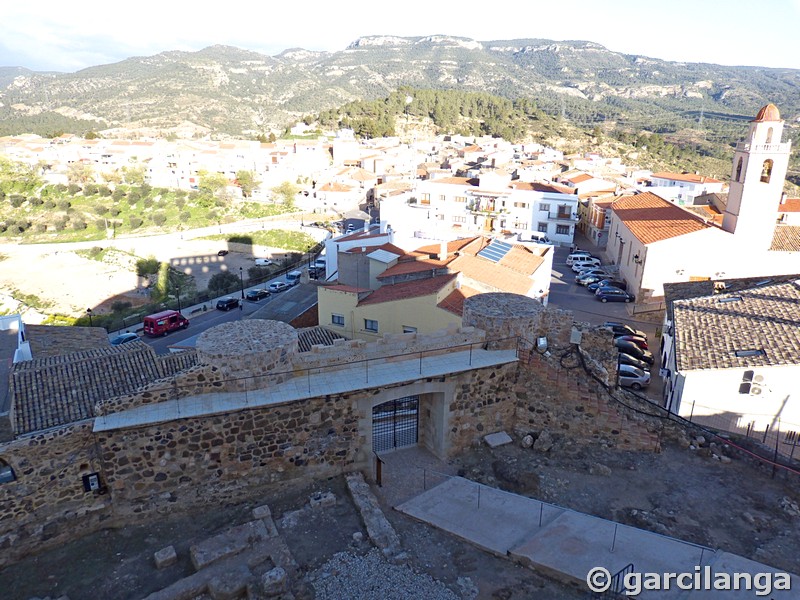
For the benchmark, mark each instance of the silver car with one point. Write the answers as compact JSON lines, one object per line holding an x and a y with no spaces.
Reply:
{"x":632,"y":377}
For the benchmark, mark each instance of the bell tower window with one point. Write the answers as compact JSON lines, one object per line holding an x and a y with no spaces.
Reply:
{"x":739,"y":169}
{"x":769,"y":135}
{"x":766,"y":170}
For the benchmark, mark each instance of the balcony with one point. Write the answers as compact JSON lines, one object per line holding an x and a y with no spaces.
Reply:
{"x":757,"y":148}
{"x":563,"y":217}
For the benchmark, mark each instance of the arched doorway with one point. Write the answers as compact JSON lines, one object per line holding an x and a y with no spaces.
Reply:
{"x":395,"y":424}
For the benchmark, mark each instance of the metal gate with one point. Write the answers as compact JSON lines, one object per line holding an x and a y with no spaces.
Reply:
{"x":395,"y":424}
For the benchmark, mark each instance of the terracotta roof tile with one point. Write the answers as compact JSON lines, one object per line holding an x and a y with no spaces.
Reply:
{"x":522,"y":260}
{"x":536,"y":186}
{"x":790,"y":205}
{"x":454,"y":302}
{"x":491,"y":274}
{"x":408,"y":289}
{"x":340,"y":287}
{"x":710,"y":329}
{"x":652,"y":219}
{"x":786,"y":238}
{"x":687,"y":177}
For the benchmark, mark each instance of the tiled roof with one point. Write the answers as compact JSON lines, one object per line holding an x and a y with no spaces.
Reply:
{"x":652,"y":219}
{"x":536,"y":186}
{"x":335,"y":187}
{"x":687,"y":177}
{"x":493,"y":275}
{"x":313,"y":336}
{"x":408,"y":289}
{"x":786,"y":238}
{"x":580,"y":178}
{"x":57,"y":390}
{"x":367,"y":249}
{"x":789,"y":205}
{"x":709,"y":330}
{"x":361,"y":234}
{"x":345,"y":288}
{"x":454,"y":302}
{"x":522,"y":260}
{"x":455,"y":180}
{"x":47,"y":340}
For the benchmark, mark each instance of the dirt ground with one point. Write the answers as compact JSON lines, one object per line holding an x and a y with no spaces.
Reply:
{"x":679,"y":492}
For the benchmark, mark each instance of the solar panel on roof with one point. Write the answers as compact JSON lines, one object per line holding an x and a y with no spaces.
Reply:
{"x":495,"y":251}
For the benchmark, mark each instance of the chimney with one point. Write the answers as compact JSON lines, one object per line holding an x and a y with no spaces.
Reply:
{"x":783,"y":198}
{"x":443,"y":250}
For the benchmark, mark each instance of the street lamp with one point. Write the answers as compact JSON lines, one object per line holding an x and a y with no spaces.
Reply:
{"x":89,"y":312}
{"x":241,"y":281}
{"x":178,"y":296}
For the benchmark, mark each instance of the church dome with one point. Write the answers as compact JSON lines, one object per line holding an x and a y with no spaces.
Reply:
{"x":768,"y":113}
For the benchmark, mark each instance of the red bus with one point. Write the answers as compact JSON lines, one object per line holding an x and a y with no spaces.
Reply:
{"x":164,"y":322}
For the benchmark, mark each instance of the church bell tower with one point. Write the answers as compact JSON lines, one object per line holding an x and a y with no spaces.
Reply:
{"x":759,"y":171}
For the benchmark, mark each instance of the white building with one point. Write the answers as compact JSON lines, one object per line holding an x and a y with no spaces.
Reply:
{"x":654,"y":241}
{"x":730,"y":354}
{"x":683,"y":188}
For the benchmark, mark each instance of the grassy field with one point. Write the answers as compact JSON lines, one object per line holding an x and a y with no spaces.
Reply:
{"x":296,"y":241}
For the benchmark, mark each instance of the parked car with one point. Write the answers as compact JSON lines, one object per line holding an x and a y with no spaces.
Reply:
{"x":573,"y":255}
{"x":592,"y":287}
{"x":278,"y":286}
{"x":223,"y":253}
{"x":585,"y":279}
{"x":613,"y":294}
{"x":639,"y":341}
{"x":591,"y":271}
{"x":632,"y":377}
{"x":256,"y":295}
{"x":627,"y":359}
{"x":633,"y":350}
{"x":582,"y":262}
{"x":124,"y":338}
{"x":227,"y":303}
{"x":293,"y":277}
{"x":618,"y":329}
{"x":264,"y":262}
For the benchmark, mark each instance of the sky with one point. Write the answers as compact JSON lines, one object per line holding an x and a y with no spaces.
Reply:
{"x":68,"y":36}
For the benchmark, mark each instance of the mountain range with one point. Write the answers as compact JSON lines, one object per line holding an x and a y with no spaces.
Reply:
{"x":230,"y":91}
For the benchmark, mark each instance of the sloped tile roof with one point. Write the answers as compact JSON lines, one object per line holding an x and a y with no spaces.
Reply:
{"x":57,"y":390}
{"x":454,"y":302}
{"x":47,"y":340}
{"x":522,"y":260}
{"x":653,"y":219}
{"x":313,"y":336}
{"x":407,"y":289}
{"x":786,"y":238}
{"x":710,"y":329}
{"x":687,"y":177}
{"x":789,"y":205}
{"x":542,"y":187}
{"x":493,"y":275}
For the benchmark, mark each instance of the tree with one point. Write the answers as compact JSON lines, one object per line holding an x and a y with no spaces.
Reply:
{"x":133,"y":175}
{"x":222,"y":282}
{"x":80,"y":173}
{"x":247,"y":181}
{"x":147,"y":266}
{"x":212,"y":184}
{"x":286,"y":193}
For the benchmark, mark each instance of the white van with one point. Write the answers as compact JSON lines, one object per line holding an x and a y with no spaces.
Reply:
{"x":583,"y":262}
{"x":293,"y":277}
{"x":575,"y":255}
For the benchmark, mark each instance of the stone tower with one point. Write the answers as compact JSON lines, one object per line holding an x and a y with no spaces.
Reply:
{"x":759,"y":171}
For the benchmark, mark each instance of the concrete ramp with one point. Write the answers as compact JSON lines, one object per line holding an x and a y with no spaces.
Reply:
{"x":567,"y":545}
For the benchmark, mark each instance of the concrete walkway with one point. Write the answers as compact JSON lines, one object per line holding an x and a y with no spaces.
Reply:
{"x":566,"y":545}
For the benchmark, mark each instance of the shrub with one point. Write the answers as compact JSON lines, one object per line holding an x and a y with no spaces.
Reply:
{"x":145,"y":189}
{"x":104,"y":190}
{"x":49,"y":204}
{"x":100,"y":224}
{"x":65,"y":204}
{"x":118,"y":194}
{"x":114,"y":211}
{"x":73,"y":188}
{"x":147,"y":266}
{"x":135,"y":222}
{"x":60,"y":223}
{"x":185,"y":216}
{"x":147,"y":202}
{"x":90,"y":189}
{"x":120,"y":306}
{"x":100,"y":209}
{"x":79,"y":225}
{"x":16,"y":200}
{"x":40,"y":227}
{"x":60,"y":188}
{"x":223,"y":281}
{"x":134,"y":197}
{"x":158,"y":218}
{"x":180,"y":201}
{"x":35,"y":201}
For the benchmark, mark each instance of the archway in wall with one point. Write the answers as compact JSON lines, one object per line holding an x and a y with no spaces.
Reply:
{"x":395,"y":424}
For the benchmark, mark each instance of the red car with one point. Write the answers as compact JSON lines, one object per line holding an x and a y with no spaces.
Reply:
{"x":639,"y":341}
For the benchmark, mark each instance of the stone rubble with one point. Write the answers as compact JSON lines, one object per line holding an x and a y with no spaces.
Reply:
{"x":370,"y":576}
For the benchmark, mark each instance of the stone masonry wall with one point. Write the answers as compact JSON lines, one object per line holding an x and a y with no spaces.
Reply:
{"x":196,"y":460}
{"x":348,"y":351}
{"x":200,"y":379}
{"x":46,"y":505}
{"x":485,"y":402}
